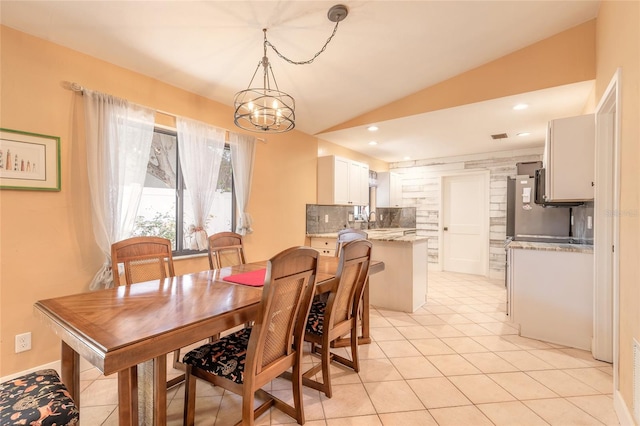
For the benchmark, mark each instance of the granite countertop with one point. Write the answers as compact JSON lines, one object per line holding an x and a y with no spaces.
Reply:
{"x":530,"y":245}
{"x":386,"y":234}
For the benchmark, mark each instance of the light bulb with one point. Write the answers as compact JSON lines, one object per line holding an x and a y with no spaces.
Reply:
{"x":250,"y":105}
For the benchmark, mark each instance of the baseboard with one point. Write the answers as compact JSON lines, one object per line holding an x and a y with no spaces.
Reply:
{"x":55,"y":365}
{"x":624,"y":415}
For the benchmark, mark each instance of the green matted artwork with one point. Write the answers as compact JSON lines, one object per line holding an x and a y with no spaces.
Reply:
{"x":29,"y":161}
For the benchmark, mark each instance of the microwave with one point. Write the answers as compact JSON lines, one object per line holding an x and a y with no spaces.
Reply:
{"x":539,"y":191}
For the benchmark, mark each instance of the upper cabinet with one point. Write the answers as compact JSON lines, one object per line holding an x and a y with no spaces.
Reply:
{"x":342,"y":181}
{"x":389,"y":192}
{"x":569,"y":159}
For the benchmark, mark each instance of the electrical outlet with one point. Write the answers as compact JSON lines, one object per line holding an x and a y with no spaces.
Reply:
{"x":23,"y":342}
{"x":326,"y":218}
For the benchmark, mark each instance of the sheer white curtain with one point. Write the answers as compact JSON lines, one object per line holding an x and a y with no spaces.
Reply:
{"x":201,"y":149}
{"x":118,"y":139}
{"x":243,"y":149}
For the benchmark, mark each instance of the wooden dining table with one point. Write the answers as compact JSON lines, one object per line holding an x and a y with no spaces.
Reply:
{"x":127,"y":328}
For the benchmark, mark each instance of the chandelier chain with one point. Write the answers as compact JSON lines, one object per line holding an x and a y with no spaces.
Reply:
{"x":308,"y":61}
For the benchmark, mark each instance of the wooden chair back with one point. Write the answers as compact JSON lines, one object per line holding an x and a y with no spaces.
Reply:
{"x":346,"y":235}
{"x":225,"y":249}
{"x":276,"y":339}
{"x":144,"y":259}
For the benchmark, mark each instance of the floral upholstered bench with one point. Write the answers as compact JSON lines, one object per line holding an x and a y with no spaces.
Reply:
{"x":38,"y":398}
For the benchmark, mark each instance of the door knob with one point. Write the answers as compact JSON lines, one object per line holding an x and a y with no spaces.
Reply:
{"x":446,"y":228}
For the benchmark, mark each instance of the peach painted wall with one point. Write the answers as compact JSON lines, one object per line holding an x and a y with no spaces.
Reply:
{"x":46,"y":244}
{"x":618,"y":45}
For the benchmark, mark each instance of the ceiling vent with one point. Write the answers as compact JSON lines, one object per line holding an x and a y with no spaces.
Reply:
{"x":499,"y":136}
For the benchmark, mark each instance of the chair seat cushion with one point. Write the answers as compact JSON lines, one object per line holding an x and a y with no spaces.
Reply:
{"x":38,"y":398}
{"x":224,"y":357}
{"x":316,"y":317}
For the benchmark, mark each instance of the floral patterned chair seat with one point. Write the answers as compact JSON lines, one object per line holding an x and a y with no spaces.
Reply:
{"x":38,"y":398}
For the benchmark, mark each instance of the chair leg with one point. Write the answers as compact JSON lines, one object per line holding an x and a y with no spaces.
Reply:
{"x":354,"y":348}
{"x":248,"y":415}
{"x":189,"y":398}
{"x":296,"y":382}
{"x":326,"y":367}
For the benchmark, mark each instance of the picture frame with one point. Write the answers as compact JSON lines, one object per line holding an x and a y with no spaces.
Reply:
{"x":29,"y":161}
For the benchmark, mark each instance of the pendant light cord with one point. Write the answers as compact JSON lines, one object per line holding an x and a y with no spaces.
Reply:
{"x":308,"y":61}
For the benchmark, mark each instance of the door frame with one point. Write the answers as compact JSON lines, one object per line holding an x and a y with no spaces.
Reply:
{"x":607,"y":225}
{"x":486,"y":176}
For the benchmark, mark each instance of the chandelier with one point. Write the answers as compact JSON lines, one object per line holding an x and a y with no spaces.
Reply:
{"x":268,"y":109}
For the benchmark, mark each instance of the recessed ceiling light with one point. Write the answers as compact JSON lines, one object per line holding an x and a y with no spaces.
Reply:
{"x":373,"y":143}
{"x":372,"y":128}
{"x":524,"y":133}
{"x":520,"y":106}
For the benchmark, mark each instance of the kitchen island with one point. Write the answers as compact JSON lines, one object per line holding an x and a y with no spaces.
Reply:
{"x":402,"y":286}
{"x":550,"y":291}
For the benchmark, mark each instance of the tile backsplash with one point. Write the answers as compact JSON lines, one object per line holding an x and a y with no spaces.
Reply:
{"x":323,"y":219}
{"x":580,"y":222}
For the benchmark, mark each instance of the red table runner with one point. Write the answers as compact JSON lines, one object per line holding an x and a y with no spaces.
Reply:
{"x":252,"y":278}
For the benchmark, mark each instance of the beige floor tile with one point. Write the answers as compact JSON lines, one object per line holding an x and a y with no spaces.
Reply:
{"x":558,"y":359}
{"x":417,"y":367}
{"x":405,"y":320}
{"x":382,"y":334}
{"x":311,"y":402}
{"x":428,"y":319}
{"x":522,"y":386}
{"x":348,"y":400}
{"x":91,"y":374}
{"x":438,"y":392}
{"x":408,"y":418}
{"x":499,"y":328}
{"x":376,"y":321}
{"x":399,"y":349}
{"x":206,"y":410}
{"x":562,"y":383}
{"x":496,"y":343}
{"x":378,"y":370}
{"x":585,"y":356}
{"x":97,"y":415}
{"x":457,"y":416}
{"x":342,"y":375}
{"x":594,"y":377}
{"x":473,"y":330}
{"x":415,"y":332}
{"x":463,"y":345}
{"x":100,"y":392}
{"x":489,"y":362}
{"x":560,"y":412}
{"x":456,"y":318}
{"x":390,"y":397}
{"x":444,"y":330}
{"x":438,"y":309}
{"x":513,"y":413}
{"x":525,"y":342}
{"x":452,"y":365}
{"x":481,"y":389}
{"x":432,"y":347}
{"x":371,"y":420}
{"x":479,"y":317}
{"x":370,"y":351}
{"x":524,"y":361}
{"x":599,"y":406}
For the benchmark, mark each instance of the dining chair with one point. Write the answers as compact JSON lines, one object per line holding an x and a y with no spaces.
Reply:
{"x":338,"y":317}
{"x":145,"y":259}
{"x":245,"y":361}
{"x":349,"y":234}
{"x":225,"y":249}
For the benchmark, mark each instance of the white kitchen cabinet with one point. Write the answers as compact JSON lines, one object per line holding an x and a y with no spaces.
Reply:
{"x":389,"y":192}
{"x":342,"y":181}
{"x":569,"y":159}
{"x":551,"y":295}
{"x":324,"y":246}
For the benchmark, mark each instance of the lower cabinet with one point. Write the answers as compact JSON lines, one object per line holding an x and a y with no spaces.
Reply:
{"x":551,"y":295}
{"x":325,"y":246}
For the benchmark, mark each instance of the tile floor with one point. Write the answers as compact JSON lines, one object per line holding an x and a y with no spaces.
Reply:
{"x":456,"y":361}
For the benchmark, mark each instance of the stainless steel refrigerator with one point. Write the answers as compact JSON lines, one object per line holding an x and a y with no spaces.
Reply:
{"x":528,"y":221}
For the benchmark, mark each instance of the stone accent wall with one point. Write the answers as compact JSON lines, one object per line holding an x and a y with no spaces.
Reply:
{"x":421,"y":189}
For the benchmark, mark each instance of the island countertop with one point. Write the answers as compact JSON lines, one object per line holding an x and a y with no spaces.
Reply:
{"x":406,"y":235}
{"x":530,"y":245}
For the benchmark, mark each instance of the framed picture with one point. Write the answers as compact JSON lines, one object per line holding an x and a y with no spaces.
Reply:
{"x":29,"y":161}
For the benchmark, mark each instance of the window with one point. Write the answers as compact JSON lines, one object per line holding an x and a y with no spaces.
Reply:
{"x":165,"y":208}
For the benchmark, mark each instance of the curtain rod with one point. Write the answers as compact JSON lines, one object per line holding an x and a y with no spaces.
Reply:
{"x":76,"y":87}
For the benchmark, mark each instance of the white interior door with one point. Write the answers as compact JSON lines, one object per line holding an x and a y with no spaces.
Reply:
{"x":606,"y":232}
{"x":465,"y":242}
